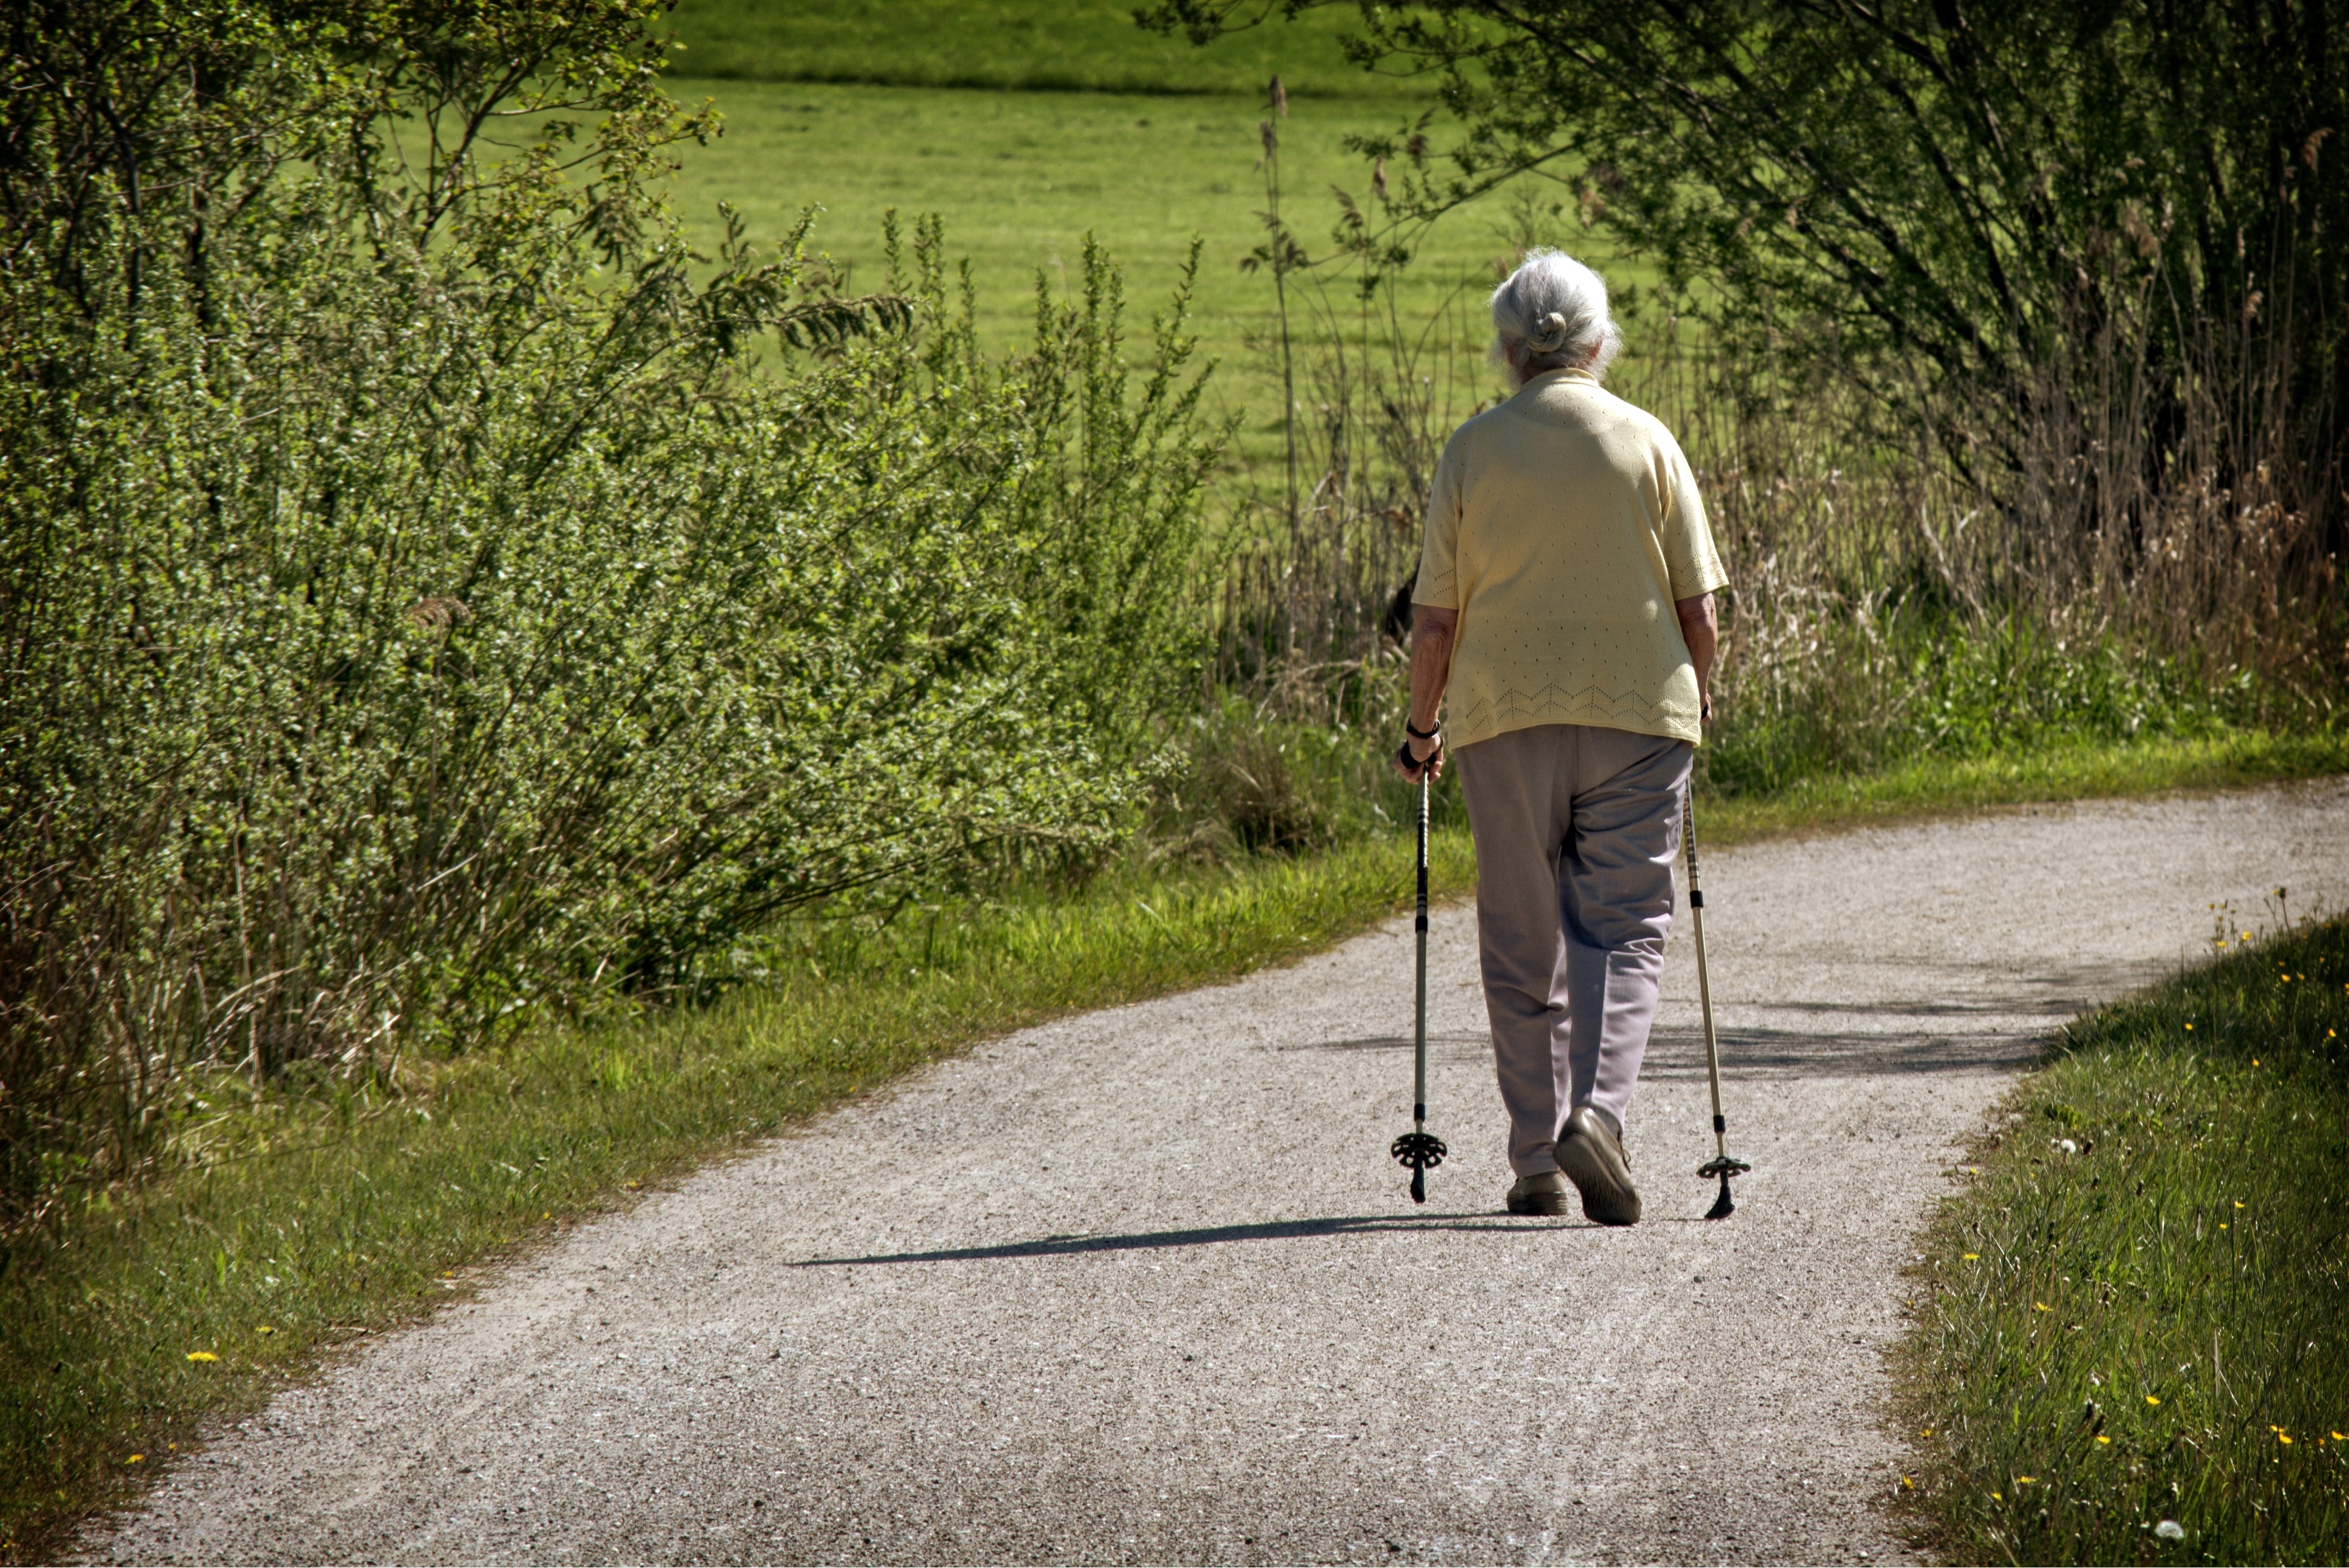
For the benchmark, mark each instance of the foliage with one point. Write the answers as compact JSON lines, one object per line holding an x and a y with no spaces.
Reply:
{"x":424,"y":605}
{"x":296,"y":1214}
{"x":1933,"y":197}
{"x":1884,"y":610}
{"x":2132,"y":1313}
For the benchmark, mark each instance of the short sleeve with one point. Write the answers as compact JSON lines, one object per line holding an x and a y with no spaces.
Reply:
{"x":1689,"y":553}
{"x":1439,"y":550}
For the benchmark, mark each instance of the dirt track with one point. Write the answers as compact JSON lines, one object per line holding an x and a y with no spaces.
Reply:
{"x":1143,"y":1286}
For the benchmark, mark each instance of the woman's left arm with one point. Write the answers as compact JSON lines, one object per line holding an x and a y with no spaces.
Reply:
{"x":1432,"y":632}
{"x":1701,"y":632}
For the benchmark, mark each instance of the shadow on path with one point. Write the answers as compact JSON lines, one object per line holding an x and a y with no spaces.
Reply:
{"x":1149,"y":1241}
{"x":1676,"y":1053}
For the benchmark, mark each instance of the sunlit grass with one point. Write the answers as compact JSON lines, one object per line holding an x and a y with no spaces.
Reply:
{"x":1083,"y":46}
{"x":2045,"y":771}
{"x":2131,"y":1341}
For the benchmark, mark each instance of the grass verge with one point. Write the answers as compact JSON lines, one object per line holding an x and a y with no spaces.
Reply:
{"x":305,"y":1221}
{"x":2054,"y":770}
{"x":2132,"y":1345}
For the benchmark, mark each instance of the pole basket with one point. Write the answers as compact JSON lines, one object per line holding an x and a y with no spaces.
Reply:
{"x":1725,"y":1167}
{"x":1423,"y":1152}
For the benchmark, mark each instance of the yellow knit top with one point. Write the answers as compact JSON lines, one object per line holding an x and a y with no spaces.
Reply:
{"x":1562,"y":525}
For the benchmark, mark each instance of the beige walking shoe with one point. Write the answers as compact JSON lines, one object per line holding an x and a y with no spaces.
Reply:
{"x":1590,"y":1153}
{"x":1543,"y":1192}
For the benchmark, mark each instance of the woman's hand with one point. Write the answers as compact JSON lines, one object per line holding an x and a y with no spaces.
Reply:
{"x":1415,"y":757}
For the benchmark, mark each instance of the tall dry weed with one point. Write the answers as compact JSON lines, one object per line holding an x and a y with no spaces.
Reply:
{"x":2151,"y":553}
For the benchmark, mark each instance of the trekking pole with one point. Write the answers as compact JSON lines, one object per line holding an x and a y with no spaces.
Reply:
{"x":1720,"y":1164}
{"x":1420,"y":1148}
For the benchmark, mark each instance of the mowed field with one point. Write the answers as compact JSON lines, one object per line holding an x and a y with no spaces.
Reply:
{"x":1021,"y":175}
{"x":1088,"y":46}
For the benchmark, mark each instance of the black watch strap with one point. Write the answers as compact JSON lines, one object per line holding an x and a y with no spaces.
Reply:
{"x":1417,"y":734}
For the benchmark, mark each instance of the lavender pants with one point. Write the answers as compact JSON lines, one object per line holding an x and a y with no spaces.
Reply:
{"x":1576,"y":830}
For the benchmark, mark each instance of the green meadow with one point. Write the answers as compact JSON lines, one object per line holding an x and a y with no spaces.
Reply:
{"x":1079,"y":45}
{"x":1026,"y":129}
{"x":1020,"y":179}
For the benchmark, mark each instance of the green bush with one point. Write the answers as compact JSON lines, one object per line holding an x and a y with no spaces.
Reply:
{"x":439,"y":594}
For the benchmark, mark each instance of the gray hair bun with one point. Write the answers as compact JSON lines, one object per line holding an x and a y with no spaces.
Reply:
{"x":1548,"y":335}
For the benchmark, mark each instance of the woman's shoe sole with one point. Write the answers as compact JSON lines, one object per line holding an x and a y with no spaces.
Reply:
{"x":1608,"y":1196}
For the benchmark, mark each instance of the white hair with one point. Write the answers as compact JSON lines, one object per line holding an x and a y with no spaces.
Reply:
{"x":1551,"y":314}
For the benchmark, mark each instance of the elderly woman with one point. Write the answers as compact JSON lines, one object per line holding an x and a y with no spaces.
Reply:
{"x":1565,"y":604}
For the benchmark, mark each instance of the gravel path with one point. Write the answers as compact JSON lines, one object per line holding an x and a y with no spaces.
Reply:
{"x":1144,"y":1285}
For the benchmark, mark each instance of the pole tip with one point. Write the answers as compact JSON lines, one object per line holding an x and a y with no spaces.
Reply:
{"x":1722,"y":1206}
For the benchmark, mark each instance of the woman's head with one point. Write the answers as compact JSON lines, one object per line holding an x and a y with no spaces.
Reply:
{"x":1551,"y":314}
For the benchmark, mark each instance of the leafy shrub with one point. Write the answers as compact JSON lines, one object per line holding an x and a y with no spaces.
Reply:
{"x":426,"y":606}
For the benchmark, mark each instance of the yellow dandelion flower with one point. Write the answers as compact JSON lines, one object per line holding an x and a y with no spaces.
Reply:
{"x":2040,"y":1307}
{"x":134,"y":1459}
{"x":2284,"y":1438}
{"x":2025,"y":1480}
{"x":1996,"y":1497}
{"x":2151,"y":1401}
{"x":202,"y":1355}
{"x":2239,"y":1203}
{"x":2255,"y":1061}
{"x":1973,"y":1257}
{"x":2222,"y":1224}
{"x":2102,"y":1438}
{"x":1906,"y":1482}
{"x":264,"y":1328}
{"x":2339,"y":1439}
{"x":2189,"y":1026}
